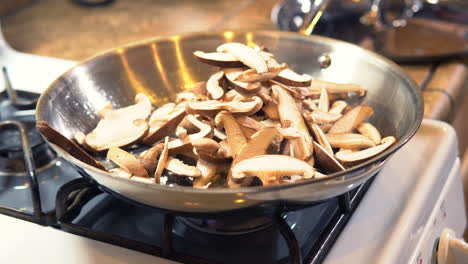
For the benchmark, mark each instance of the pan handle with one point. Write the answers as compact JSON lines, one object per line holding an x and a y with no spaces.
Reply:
{"x":312,"y":15}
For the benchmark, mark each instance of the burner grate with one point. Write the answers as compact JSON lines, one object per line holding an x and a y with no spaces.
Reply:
{"x":84,"y":210}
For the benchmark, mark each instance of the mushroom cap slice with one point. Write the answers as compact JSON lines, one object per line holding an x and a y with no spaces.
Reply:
{"x":160,"y":131}
{"x":121,"y":127}
{"x":370,"y":131}
{"x":178,"y":167}
{"x":70,"y":147}
{"x":218,"y":59}
{"x":324,"y":102}
{"x":323,"y":117}
{"x":338,"y":107}
{"x":235,"y":137}
{"x":212,"y":107}
{"x":149,"y":158}
{"x":321,"y":138}
{"x":251,"y":75}
{"x":271,"y":168}
{"x":162,"y":113}
{"x":127,"y":161}
{"x":351,"y":158}
{"x":209,"y":150}
{"x":178,"y":145}
{"x":232,"y":74}
{"x":162,"y":161}
{"x":121,"y":172}
{"x":291,"y":115}
{"x":326,"y":160}
{"x":291,"y":78}
{"x":140,"y":110}
{"x":337,"y":88}
{"x":213,"y":87}
{"x":349,"y":141}
{"x":207,"y":170}
{"x":116,"y":133}
{"x":351,"y":119}
{"x":245,"y":54}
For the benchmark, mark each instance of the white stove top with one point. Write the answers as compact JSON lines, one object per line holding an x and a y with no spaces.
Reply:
{"x":417,"y":193}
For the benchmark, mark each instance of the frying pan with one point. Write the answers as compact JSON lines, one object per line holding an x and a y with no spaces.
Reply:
{"x":161,"y":67}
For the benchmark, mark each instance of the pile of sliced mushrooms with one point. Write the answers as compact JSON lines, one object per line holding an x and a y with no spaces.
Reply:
{"x":253,"y":122}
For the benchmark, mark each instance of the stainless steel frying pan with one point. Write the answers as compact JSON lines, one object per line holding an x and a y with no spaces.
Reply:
{"x":161,"y":67}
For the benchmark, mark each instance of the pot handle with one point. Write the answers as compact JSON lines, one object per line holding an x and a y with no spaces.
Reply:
{"x":451,"y":250}
{"x":313,"y":16}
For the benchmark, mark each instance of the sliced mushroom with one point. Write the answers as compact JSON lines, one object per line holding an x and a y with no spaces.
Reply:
{"x":212,"y":107}
{"x":218,"y":59}
{"x":351,"y":158}
{"x":310,"y":104}
{"x":140,"y":110}
{"x":210,"y":150}
{"x":271,"y":168}
{"x":235,"y":137}
{"x":324,"y":102}
{"x":232,"y":74}
{"x":121,"y":172}
{"x":257,"y":144}
{"x":327,"y":161}
{"x":179,"y":168}
{"x":351,"y":119}
{"x":127,"y":161}
{"x":224,"y":145}
{"x":219,"y":134}
{"x":321,"y":138}
{"x":291,"y":78}
{"x":207,"y":170}
{"x":271,"y":110}
{"x":249,"y":122}
{"x":158,"y":132}
{"x":245,"y":54}
{"x":213,"y":85}
{"x":338,"y":107}
{"x":370,"y":131}
{"x":251,"y":75}
{"x":290,"y":113}
{"x":162,"y":113}
{"x":248,"y":132}
{"x":323,"y":117}
{"x":121,"y":127}
{"x":178,"y":145}
{"x":149,"y":158}
{"x":349,"y":140}
{"x":264,"y":94}
{"x":162,"y":161}
{"x":116,"y":133}
{"x":336,"y":88}
{"x":70,"y":147}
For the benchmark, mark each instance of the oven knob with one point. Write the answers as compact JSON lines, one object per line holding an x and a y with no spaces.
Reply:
{"x":451,"y":250}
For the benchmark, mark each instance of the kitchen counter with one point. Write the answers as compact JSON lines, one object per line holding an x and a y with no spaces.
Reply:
{"x":60,"y":28}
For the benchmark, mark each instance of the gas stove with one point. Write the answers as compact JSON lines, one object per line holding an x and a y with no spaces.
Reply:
{"x":395,"y":218}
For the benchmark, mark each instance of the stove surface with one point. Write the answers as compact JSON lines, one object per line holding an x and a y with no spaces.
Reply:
{"x":397,"y":189}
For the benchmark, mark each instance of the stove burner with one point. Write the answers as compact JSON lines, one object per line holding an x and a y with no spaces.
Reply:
{"x":11,"y":152}
{"x":233,"y":225}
